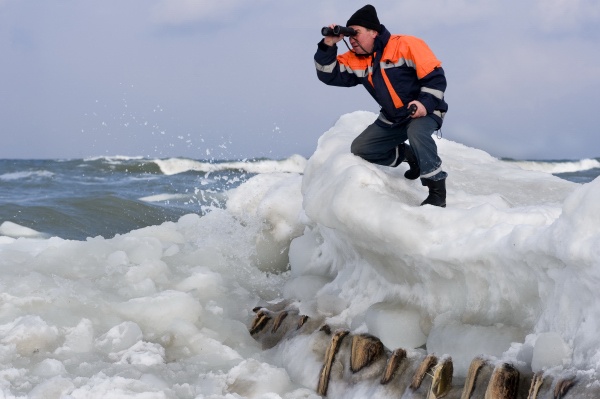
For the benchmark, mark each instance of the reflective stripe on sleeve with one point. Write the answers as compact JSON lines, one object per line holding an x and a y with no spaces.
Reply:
{"x":436,"y":93}
{"x":439,"y":113}
{"x":359,"y":72}
{"x":343,"y":68}
{"x":325,"y":68}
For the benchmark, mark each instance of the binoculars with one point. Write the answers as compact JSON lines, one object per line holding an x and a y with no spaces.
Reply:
{"x":337,"y":30}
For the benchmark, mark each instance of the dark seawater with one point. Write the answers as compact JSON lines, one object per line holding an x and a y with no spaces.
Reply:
{"x":76,"y":199}
{"x":582,"y":176}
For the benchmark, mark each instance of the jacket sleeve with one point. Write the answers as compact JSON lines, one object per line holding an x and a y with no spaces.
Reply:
{"x":329,"y":69}
{"x":433,"y":86}
{"x":430,"y":74}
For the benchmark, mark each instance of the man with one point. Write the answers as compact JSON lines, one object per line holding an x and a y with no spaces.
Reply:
{"x":399,"y":72}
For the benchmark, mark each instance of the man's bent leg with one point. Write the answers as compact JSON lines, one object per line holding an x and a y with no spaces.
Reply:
{"x":433,"y":177}
{"x":380,"y":145}
{"x":420,"y":132}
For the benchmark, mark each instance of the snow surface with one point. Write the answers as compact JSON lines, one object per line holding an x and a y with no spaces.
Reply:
{"x":510,"y":268}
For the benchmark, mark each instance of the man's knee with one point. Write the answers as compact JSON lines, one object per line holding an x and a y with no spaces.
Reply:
{"x":365,"y":151}
{"x":357,"y":148}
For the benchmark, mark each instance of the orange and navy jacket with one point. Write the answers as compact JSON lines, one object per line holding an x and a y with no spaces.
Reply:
{"x":400,"y":70}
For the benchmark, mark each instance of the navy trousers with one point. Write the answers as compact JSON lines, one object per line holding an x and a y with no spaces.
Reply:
{"x":382,"y":145}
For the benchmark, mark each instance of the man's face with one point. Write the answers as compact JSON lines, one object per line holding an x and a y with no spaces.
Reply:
{"x":364,"y":40}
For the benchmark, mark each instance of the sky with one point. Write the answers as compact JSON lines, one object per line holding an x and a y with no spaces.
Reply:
{"x":235,"y":79}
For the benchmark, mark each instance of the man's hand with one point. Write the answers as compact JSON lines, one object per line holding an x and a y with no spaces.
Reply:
{"x":332,"y":40}
{"x":421,"y":111}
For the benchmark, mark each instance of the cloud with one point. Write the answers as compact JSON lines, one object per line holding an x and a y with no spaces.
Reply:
{"x":433,"y":14}
{"x":183,"y":12}
{"x":528,"y":67}
{"x":566,"y":15}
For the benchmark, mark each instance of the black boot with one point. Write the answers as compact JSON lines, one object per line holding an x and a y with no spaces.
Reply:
{"x":406,"y":154}
{"x":411,"y":159}
{"x":437,"y":192}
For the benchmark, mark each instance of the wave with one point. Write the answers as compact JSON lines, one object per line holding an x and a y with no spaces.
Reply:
{"x":164,"y":197}
{"x":77,"y":218}
{"x":113,"y":158}
{"x":132,"y":165}
{"x":555,"y":167}
{"x":26,"y":175}
{"x":172,"y":166}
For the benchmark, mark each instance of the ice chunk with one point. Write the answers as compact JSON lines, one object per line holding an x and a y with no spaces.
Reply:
{"x":11,"y":229}
{"x":464,"y":342}
{"x":549,"y":351}
{"x":30,"y":334}
{"x":304,"y":288}
{"x":395,"y":326}
{"x":120,"y":337}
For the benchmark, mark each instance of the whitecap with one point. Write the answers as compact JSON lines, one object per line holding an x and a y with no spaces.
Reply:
{"x":559,"y":166}
{"x":26,"y":175}
{"x":172,"y":166}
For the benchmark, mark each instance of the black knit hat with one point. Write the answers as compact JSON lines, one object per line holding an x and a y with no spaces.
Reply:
{"x":366,"y":17}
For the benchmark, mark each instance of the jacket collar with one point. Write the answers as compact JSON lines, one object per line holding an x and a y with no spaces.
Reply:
{"x":382,"y":39}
